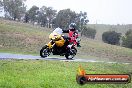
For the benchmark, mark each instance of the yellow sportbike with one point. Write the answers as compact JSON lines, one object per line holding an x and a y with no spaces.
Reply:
{"x":59,"y":45}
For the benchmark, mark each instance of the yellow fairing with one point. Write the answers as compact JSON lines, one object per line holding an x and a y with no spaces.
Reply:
{"x":49,"y":45}
{"x":51,"y":36}
{"x":57,"y":38}
{"x":54,"y":36}
{"x":60,"y":42}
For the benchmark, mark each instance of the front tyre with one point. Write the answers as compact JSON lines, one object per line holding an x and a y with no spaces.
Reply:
{"x":44,"y":52}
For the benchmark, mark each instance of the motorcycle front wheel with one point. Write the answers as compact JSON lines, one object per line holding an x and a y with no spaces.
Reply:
{"x":44,"y":52}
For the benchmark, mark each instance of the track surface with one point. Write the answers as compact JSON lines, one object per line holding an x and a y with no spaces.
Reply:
{"x":21,"y":56}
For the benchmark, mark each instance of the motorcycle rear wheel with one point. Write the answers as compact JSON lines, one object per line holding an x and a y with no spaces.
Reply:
{"x":71,"y":54}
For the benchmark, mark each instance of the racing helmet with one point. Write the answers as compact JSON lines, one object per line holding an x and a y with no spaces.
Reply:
{"x":72,"y":26}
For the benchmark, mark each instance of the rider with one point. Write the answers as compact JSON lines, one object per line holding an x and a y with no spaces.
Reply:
{"x":73,"y":33}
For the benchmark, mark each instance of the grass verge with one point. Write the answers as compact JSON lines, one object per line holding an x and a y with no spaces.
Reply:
{"x":55,"y":74}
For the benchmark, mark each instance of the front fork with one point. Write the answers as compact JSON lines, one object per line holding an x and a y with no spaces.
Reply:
{"x":51,"y":44}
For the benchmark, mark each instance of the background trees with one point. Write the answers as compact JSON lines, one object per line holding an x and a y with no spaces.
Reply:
{"x":14,"y":9}
{"x":32,"y":13}
{"x":82,"y":19}
{"x":127,"y":39}
{"x":114,"y":38}
{"x":44,"y":16}
{"x":111,"y":37}
{"x":64,"y":17}
{"x":1,"y":3}
{"x":67,"y":16}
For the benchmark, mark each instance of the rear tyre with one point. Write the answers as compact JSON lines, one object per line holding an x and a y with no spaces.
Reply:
{"x":44,"y":52}
{"x":71,"y":54}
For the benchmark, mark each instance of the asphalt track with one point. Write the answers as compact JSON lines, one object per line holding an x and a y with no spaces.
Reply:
{"x":32,"y":57}
{"x":5,"y":56}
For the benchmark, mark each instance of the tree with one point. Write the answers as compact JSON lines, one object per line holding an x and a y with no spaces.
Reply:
{"x":82,"y":19}
{"x":111,"y":37}
{"x":127,"y":39}
{"x":42,"y":20}
{"x":129,"y":32}
{"x":33,"y":13}
{"x":14,"y":8}
{"x":46,"y":16}
{"x":26,"y":17}
{"x":64,"y":17}
{"x":1,"y":3}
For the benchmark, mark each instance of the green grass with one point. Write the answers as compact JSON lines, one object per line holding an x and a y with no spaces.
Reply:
{"x":55,"y":74}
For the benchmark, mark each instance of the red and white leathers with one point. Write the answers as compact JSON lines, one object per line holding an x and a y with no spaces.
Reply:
{"x":73,"y":35}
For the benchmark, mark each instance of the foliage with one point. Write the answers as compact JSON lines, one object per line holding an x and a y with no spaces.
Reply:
{"x":67,"y":16}
{"x":46,"y":16}
{"x":43,"y":16}
{"x":64,"y":17}
{"x":129,"y":32}
{"x":1,"y":3}
{"x":89,"y":32}
{"x":33,"y":13}
{"x":14,"y":9}
{"x":26,"y":17}
{"x":111,"y":37}
{"x":82,"y":19}
{"x":127,"y":39}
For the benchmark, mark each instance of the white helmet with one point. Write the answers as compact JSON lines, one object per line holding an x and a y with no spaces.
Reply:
{"x":58,"y":30}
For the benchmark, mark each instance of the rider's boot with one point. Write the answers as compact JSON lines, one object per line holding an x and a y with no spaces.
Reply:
{"x":78,"y":45}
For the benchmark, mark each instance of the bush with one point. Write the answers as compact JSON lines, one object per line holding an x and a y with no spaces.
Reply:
{"x":127,"y":39}
{"x":88,"y":32}
{"x":111,"y":37}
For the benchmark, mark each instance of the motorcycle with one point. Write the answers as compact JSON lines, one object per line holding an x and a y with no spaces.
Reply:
{"x":59,"y":45}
